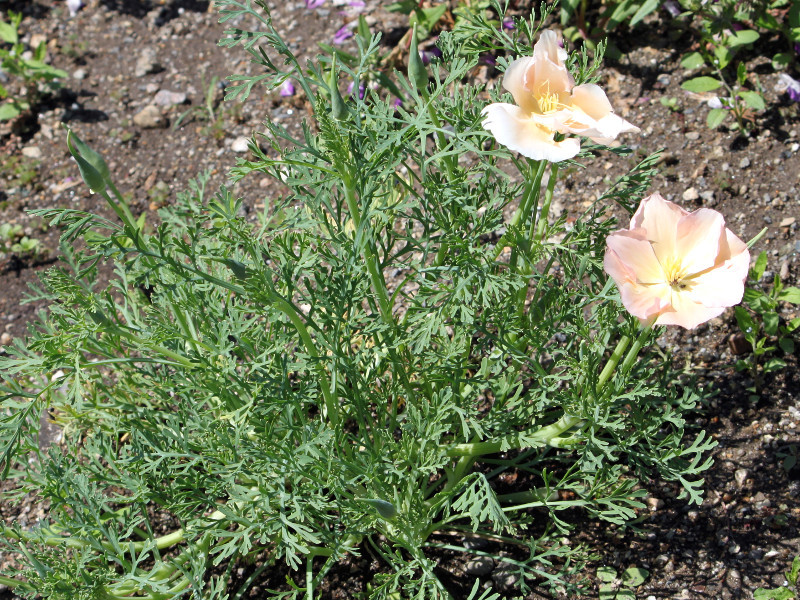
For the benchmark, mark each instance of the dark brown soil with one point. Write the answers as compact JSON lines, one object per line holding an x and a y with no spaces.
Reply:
{"x":745,"y":533}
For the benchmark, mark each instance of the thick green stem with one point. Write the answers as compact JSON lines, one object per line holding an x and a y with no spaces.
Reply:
{"x":540,"y":437}
{"x":375,"y":274}
{"x":449,"y":163}
{"x":12,"y":583}
{"x":330,"y":402}
{"x":548,"y":198}
{"x":530,"y":198}
{"x":613,"y":361}
{"x":644,"y":335}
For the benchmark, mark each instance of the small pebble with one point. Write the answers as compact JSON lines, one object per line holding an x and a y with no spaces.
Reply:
{"x":240,"y":144}
{"x":691,"y":195}
{"x":479,"y":566}
{"x":32,"y":152}
{"x":150,"y":117}
{"x":740,"y":476}
{"x":654,"y":503}
{"x":744,"y":163}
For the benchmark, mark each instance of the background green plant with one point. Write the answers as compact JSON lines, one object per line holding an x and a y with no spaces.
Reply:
{"x":351,"y":374}
{"x":760,"y":321}
{"x":34,"y":74}
{"x":782,"y":593}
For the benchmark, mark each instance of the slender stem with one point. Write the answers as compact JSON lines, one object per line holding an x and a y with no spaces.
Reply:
{"x":548,"y":197}
{"x":330,"y":402}
{"x":530,"y":198}
{"x":375,"y":274}
{"x":448,"y":160}
{"x":644,"y":335}
{"x":378,"y":283}
{"x":613,"y":361}
{"x":540,"y":437}
{"x":310,"y":577}
{"x":12,"y":583}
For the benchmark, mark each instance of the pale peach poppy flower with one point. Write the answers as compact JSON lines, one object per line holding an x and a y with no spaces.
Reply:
{"x":549,"y":102}
{"x":673,"y":267}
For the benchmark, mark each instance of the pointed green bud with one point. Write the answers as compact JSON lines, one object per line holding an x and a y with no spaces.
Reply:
{"x":384,"y":508}
{"x":90,"y":155}
{"x":417,"y":73}
{"x":339,"y":109}
{"x":88,"y":163}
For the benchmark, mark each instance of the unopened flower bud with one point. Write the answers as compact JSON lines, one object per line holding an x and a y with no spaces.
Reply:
{"x":338,"y":107}
{"x":417,"y":73}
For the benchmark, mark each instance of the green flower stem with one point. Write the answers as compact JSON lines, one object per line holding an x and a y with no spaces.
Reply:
{"x":534,"y":240}
{"x":449,"y":160}
{"x":540,"y":437}
{"x":162,"y":543}
{"x":378,"y":284}
{"x":123,"y":206}
{"x":548,"y":197}
{"x":530,"y":198}
{"x":644,"y":336}
{"x":532,"y":495}
{"x":331,"y":407}
{"x":613,"y":361}
{"x":12,"y":583}
{"x":630,"y":358}
{"x":375,"y":274}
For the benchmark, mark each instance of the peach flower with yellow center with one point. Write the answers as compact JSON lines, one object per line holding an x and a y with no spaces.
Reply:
{"x":673,"y":267}
{"x":548,"y":103}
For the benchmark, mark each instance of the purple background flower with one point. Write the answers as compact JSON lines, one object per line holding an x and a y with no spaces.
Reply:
{"x":342,"y":34}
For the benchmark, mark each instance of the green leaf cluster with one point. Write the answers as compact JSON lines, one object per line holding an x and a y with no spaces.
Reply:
{"x":354,"y":368}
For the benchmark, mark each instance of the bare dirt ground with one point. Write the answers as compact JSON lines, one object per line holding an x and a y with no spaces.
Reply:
{"x":125,"y":56}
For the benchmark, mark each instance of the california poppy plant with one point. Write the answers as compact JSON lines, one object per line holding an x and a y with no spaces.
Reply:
{"x":673,"y":267}
{"x":548,"y":103}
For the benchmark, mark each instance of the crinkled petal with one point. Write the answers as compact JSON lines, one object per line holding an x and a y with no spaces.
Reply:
{"x":593,"y":116}
{"x":633,"y":250}
{"x":739,"y":262}
{"x":514,"y":82}
{"x":548,"y":73}
{"x":687,"y":313}
{"x":645,"y":301}
{"x":717,"y":287}
{"x":659,"y":218}
{"x":698,"y":239}
{"x":734,"y":252}
{"x":592,"y":100}
{"x":609,"y":128}
{"x":513,"y":128}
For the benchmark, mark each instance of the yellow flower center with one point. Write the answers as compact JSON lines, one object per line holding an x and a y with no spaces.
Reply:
{"x":548,"y":102}
{"x":675,"y":274}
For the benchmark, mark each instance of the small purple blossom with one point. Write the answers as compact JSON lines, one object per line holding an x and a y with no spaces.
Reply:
{"x":361,"y":90}
{"x":714,"y":102}
{"x":428,"y":55}
{"x":797,"y":47}
{"x":398,"y":102}
{"x":488,"y":59}
{"x":312,"y":4}
{"x":342,"y":34}
{"x":790,"y":85}
{"x":672,"y":8}
{"x":287,"y":89}
{"x":357,"y":4}
{"x":509,"y":24}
